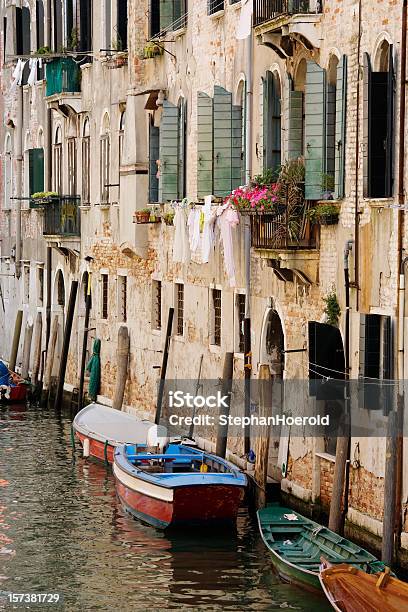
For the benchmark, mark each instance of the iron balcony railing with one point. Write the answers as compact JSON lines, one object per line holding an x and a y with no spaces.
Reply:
{"x":62,"y":216}
{"x":286,"y":228}
{"x":63,"y":76}
{"x":267,"y":10}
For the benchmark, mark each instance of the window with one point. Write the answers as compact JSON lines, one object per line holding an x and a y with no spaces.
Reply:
{"x":105,"y":162}
{"x":242,"y":105}
{"x":36,"y":170}
{"x":40,"y":285}
{"x":26,"y":284}
{"x":376,"y":359}
{"x":23,"y":37}
{"x":157,"y":304}
{"x":122,"y":298}
{"x":216,"y":317}
{"x":104,"y":296}
{"x":57,"y":162}
{"x":58,"y":37}
{"x":378,"y":124}
{"x":239,"y":318}
{"x":181,"y":138}
{"x":154,"y":153}
{"x":108,"y":25}
{"x":86,"y":164}
{"x":219,"y":143}
{"x":60,"y":289}
{"x":179,"y":309}
{"x":72,"y":167}
{"x":172,"y":147}
{"x":272,"y":122}
{"x":121,"y":135}
{"x":85,"y":26}
{"x":167,"y":16}
{"x":122,"y":24}
{"x":214,"y":6}
{"x":39,"y":24}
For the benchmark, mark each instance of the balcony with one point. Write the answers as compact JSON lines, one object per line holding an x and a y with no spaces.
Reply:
{"x":63,"y":89}
{"x":281,"y":22}
{"x":62,"y":218}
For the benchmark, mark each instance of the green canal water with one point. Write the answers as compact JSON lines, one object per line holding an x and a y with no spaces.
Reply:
{"x":63,"y":531}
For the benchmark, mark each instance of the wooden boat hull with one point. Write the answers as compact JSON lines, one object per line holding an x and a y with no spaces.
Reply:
{"x":97,"y":450}
{"x":17,"y":395}
{"x":189,"y":505}
{"x":351,"y":590}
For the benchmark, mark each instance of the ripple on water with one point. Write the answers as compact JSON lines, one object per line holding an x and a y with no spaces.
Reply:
{"x":63,"y":530}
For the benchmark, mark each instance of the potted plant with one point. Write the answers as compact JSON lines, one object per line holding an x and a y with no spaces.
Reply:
{"x":168,"y":218}
{"x":324,"y":214}
{"x":41,"y":198}
{"x":327,"y":186}
{"x":332,"y":310}
{"x":142,"y":216}
{"x":151,"y":50}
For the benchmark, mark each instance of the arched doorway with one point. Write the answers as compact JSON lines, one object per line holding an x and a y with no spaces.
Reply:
{"x":273,"y":343}
{"x":58,"y":309}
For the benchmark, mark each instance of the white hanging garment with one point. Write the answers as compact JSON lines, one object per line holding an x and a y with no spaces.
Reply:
{"x":181,"y":247}
{"x":228,"y":218}
{"x":18,"y":73}
{"x":208,"y":231}
{"x":33,"y":72}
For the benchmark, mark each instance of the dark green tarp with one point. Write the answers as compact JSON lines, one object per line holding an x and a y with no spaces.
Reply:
{"x":94,"y":369}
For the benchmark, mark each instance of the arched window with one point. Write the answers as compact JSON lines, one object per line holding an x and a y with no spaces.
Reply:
{"x":272,"y":122}
{"x":8,"y":172}
{"x":86,"y":163}
{"x":242,"y":106}
{"x":105,"y":160}
{"x":121,"y":135}
{"x":57,"y":162}
{"x":59,"y":291}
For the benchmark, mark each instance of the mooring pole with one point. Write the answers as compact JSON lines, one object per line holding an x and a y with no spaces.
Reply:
{"x":49,"y":361}
{"x":28,"y":338}
{"x":163,"y":370}
{"x":222,"y":432}
{"x":37,"y":349}
{"x":16,"y":340}
{"x":262,"y":443}
{"x":65,"y":345}
{"x":49,"y":298}
{"x":122,"y":367}
{"x":88,"y":306}
{"x":197,"y":389}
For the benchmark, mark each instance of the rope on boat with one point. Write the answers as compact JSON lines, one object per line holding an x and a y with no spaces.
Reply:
{"x":105,"y":452}
{"x":73,"y":442}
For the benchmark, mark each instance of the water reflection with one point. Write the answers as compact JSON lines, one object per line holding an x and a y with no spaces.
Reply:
{"x":63,"y":530}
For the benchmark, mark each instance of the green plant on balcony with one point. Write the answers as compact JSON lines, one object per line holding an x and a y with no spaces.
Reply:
{"x":43,"y":51}
{"x":327,"y":186}
{"x":73,"y":41}
{"x":168,"y":218}
{"x":332,"y":310}
{"x":324,"y":214}
{"x":142,"y":216}
{"x":151,"y":50}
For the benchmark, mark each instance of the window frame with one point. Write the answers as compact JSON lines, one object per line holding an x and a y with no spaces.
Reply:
{"x":122,"y":298}
{"x":239,"y":309}
{"x":179,"y":298}
{"x":157,"y":304}
{"x":104,"y":296}
{"x":216,"y":329}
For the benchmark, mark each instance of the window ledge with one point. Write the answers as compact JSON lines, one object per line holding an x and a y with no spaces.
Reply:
{"x":180,"y":32}
{"x":157,"y":332}
{"x":378,"y":202}
{"x":236,"y":5}
{"x":217,"y":15}
{"x":181,"y":339}
{"x":327,"y":457}
{"x":215,"y":349}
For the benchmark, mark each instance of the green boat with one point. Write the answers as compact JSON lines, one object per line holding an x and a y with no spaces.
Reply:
{"x":297,"y":545}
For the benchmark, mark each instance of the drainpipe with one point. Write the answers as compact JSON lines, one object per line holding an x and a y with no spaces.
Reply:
{"x":341,"y":468}
{"x":247,"y":234}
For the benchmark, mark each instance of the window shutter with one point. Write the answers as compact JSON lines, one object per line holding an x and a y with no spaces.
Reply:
{"x":181,"y":176}
{"x":295,"y":124}
{"x":36,"y":170}
{"x":168,"y":152}
{"x":390,"y":124}
{"x":314,"y":130}
{"x":267,"y":121}
{"x":122,"y":13}
{"x":243,"y":136}
{"x":166,"y":13}
{"x":154,"y":153}
{"x":222,"y":141}
{"x":340,"y":140}
{"x":261,"y":122}
{"x":276,"y":142}
{"x":237,"y":149}
{"x":366,"y":123}
{"x":204,"y":145}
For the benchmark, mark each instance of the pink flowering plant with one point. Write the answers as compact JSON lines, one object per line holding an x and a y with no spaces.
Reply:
{"x":256,"y":198}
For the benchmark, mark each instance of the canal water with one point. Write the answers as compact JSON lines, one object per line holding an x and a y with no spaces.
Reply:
{"x":62,"y":531}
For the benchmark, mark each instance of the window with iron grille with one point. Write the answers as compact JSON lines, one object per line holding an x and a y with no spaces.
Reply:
{"x":121,"y":136}
{"x":180,"y":309}
{"x":57,"y":162}
{"x":216,"y":317}
{"x":26,"y":283}
{"x":157,"y":304}
{"x":105,"y":163}
{"x":72,"y":167}
{"x":86,"y":196}
{"x":240,"y":317}
{"x":167,"y":16}
{"x":40,"y":286}
{"x":122,"y":298}
{"x":214,"y":6}
{"x":105,"y":290}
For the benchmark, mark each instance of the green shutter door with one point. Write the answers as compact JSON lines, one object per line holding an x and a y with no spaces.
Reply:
{"x":276,"y":124}
{"x":166,"y":14}
{"x":295,"y":125}
{"x":261,"y":123}
{"x":154,"y":154}
{"x":341,"y":105}
{"x":330,"y":129}
{"x":36,"y":170}
{"x":267,"y":121}
{"x":181,"y":177}
{"x":168,"y":152}
{"x":204,"y":145}
{"x":314,"y":130}
{"x":237,"y":151}
{"x":222,"y":141}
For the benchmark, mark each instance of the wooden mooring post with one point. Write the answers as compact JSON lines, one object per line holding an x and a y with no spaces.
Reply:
{"x":65,"y":345}
{"x":222,"y":432}
{"x":88,"y":306}
{"x":265,"y":383}
{"x":16,"y":340}
{"x":28,"y":338}
{"x":122,"y":367}
{"x":49,"y":362}
{"x":163,"y":370}
{"x":37,"y":349}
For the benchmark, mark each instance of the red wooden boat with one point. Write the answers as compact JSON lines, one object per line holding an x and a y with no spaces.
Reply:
{"x":101,"y":429}
{"x":13,"y":388}
{"x":183,"y":486}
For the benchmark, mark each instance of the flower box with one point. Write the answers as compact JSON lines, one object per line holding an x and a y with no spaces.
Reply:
{"x":141,"y":217}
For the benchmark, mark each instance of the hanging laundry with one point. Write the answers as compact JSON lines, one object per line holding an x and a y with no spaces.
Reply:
{"x":33,"y":72}
{"x":208,"y":230}
{"x":181,"y":248}
{"x":228,"y":218}
{"x":194,"y":229}
{"x":18,"y":73}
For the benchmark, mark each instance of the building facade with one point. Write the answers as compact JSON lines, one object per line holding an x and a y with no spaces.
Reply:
{"x":119,"y":106}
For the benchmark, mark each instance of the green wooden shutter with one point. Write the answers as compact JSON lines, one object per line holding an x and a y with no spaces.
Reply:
{"x":36,"y":170}
{"x":341,"y":106}
{"x":154,"y":154}
{"x":237,"y":152}
{"x":168,"y":152}
{"x":261,"y":122}
{"x":295,"y":124}
{"x":366,"y":124}
{"x":181,"y":176}
{"x":166,"y":14}
{"x":204,"y":145}
{"x":330,"y":129}
{"x":276,"y":125}
{"x":222,"y":141}
{"x":267,"y":121}
{"x":314,"y":130}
